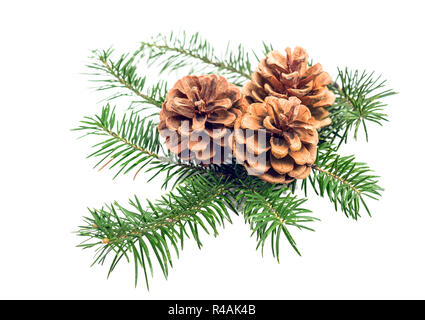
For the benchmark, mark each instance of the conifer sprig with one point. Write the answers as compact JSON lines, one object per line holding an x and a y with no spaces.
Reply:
{"x":359,"y":101}
{"x":131,"y":144}
{"x":121,"y":73}
{"x":142,"y":235}
{"x":271,"y":210}
{"x":172,"y":52}
{"x":346,"y":182}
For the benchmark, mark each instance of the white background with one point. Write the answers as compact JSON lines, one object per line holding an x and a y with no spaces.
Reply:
{"x":46,"y":183}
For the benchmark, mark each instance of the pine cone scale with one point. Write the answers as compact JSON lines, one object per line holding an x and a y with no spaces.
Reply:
{"x":221,"y":117}
{"x":293,"y":140}
{"x":173,"y":123}
{"x":279,"y":147}
{"x":256,"y":147}
{"x":282,"y":166}
{"x":301,"y":156}
{"x":198,"y":122}
{"x":251,"y":122}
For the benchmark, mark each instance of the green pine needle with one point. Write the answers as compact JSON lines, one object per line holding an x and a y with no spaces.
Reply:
{"x":132,"y":143}
{"x":346,"y":182}
{"x":143,"y":235}
{"x":271,"y":210}
{"x":172,"y":52}
{"x":121,"y":73}
{"x":358,"y":102}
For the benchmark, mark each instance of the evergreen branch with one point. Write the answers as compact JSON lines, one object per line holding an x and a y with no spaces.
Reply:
{"x":122,"y":73}
{"x":270,"y":210}
{"x":173,"y":52}
{"x":120,"y":232}
{"x":358,"y":101}
{"x":346,"y":182}
{"x":132,"y":144}
{"x":204,"y":195}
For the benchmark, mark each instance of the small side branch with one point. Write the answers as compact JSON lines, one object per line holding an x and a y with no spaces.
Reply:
{"x":146,"y":234}
{"x":121,"y":73}
{"x":333,"y":176}
{"x":173,"y":52}
{"x":115,"y":73}
{"x":132,"y":143}
{"x":345,"y":181}
{"x":215,"y":63}
{"x":270,"y":212}
{"x":359,"y":101}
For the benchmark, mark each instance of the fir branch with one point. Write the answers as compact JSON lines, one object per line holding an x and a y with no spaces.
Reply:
{"x":345,"y":181}
{"x":270,"y":210}
{"x":173,"y":52}
{"x":358,"y":101}
{"x":122,"y":73}
{"x":120,"y":232}
{"x":132,"y":143}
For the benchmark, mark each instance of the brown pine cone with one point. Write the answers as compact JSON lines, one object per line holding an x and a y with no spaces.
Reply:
{"x":285,"y":76}
{"x":197,"y":116}
{"x":276,"y":140}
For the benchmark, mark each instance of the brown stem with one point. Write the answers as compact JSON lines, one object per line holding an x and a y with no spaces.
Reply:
{"x":128,"y":85}
{"x":154,"y":155}
{"x":314,"y":167}
{"x":166,"y":220}
{"x":197,"y":56}
{"x":136,"y":147}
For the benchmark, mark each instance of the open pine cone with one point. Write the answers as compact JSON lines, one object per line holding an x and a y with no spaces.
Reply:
{"x":276,"y":140}
{"x":285,"y":76}
{"x":197,"y":116}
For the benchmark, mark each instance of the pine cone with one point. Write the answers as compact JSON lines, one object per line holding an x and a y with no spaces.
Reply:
{"x":283,"y":77}
{"x":197,"y":116}
{"x":276,"y":140}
